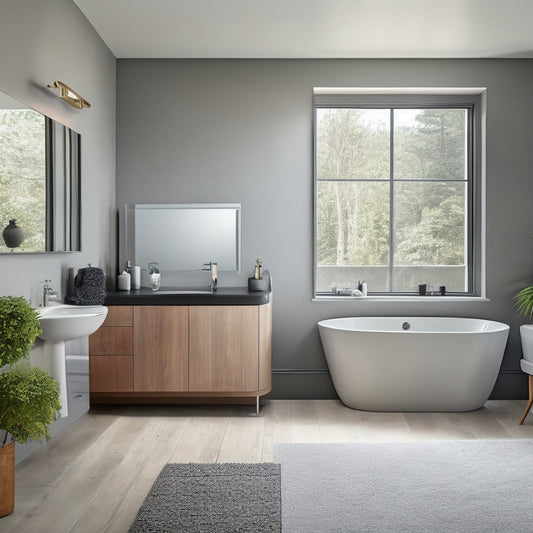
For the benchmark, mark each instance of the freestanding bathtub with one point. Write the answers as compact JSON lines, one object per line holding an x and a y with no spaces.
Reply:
{"x":432,"y":364}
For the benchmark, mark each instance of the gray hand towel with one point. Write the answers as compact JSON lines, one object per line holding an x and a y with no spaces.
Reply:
{"x":89,"y":287}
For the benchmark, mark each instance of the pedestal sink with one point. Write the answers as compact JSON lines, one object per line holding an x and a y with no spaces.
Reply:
{"x":61,"y":323}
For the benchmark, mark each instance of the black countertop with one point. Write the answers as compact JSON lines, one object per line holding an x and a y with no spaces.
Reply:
{"x":165,"y":296}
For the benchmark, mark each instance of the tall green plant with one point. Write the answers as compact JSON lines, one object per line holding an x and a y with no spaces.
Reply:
{"x":29,"y":396}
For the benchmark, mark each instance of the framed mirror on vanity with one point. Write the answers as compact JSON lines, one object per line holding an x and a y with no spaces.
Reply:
{"x":182,"y":237}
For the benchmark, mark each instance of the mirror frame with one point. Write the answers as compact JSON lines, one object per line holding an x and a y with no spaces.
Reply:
{"x":130,"y":235}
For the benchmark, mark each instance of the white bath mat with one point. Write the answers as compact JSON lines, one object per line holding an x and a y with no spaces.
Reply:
{"x":448,"y":486}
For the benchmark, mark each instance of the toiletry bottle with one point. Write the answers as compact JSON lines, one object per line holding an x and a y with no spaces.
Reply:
{"x":136,"y":277}
{"x":155,"y":275}
{"x":364,"y":288}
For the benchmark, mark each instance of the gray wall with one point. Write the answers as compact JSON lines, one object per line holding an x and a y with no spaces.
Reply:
{"x":241,"y":131}
{"x":42,"y":41}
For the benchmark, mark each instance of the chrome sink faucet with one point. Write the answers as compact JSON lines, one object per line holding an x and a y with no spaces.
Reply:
{"x":48,"y":293}
{"x":212,"y":267}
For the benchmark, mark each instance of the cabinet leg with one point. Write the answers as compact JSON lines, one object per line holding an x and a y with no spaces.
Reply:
{"x":257,"y":405}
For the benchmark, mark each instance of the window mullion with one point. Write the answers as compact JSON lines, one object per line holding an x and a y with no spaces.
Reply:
{"x":470,"y":195}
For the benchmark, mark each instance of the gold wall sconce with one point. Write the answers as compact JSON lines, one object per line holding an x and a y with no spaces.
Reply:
{"x":69,"y":95}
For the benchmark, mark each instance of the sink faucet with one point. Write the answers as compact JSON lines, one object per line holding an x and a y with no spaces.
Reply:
{"x":212,"y":266}
{"x":48,"y":293}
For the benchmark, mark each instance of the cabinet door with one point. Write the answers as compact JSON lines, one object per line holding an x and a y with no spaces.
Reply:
{"x":160,"y":353}
{"x":223,"y":348}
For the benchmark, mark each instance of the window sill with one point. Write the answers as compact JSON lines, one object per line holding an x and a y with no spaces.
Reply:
{"x":401,"y":298}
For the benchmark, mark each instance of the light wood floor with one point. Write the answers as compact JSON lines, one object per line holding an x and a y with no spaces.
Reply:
{"x":95,"y":475}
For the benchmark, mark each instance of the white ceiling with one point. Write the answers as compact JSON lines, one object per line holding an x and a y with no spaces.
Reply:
{"x":313,"y":28}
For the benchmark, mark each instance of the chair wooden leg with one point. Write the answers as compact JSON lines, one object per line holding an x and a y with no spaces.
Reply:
{"x":530,"y":403}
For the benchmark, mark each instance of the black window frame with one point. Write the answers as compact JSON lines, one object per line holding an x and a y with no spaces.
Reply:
{"x":470,"y":101}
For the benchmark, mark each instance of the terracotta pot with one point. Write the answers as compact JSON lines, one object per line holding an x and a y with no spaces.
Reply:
{"x":7,"y":479}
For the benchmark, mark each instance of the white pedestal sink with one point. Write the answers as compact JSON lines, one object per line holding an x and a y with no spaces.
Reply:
{"x":61,"y":323}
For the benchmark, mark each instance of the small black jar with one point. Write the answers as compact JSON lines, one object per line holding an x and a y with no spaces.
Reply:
{"x":13,"y":235}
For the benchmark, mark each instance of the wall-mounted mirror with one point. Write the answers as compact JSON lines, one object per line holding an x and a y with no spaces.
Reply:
{"x":39,"y":182}
{"x":184,"y":236}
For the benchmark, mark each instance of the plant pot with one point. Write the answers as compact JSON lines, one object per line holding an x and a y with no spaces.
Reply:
{"x":7,"y":479}
{"x":256,"y":285}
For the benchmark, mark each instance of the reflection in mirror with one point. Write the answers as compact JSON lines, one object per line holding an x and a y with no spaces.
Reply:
{"x":183,"y":236}
{"x":39,"y":182}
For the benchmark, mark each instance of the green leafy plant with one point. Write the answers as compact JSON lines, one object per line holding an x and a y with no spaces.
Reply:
{"x":29,"y":399}
{"x":524,"y":302}
{"x":19,"y":327}
{"x":29,"y":396}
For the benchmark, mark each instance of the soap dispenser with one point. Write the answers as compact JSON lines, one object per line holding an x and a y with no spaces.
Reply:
{"x":257,"y":282}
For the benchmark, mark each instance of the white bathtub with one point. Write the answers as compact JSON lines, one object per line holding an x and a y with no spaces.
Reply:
{"x":437,"y":364}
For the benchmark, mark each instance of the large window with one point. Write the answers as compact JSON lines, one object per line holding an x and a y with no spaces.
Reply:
{"x":395,"y":195}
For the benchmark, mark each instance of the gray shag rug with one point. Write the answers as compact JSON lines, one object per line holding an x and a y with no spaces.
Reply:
{"x":446,"y":486}
{"x":213,"y":498}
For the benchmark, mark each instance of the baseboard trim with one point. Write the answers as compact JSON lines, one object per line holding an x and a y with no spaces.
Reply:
{"x":285,"y":371}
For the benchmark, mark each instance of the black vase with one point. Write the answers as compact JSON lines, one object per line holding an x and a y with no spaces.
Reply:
{"x":13,"y":235}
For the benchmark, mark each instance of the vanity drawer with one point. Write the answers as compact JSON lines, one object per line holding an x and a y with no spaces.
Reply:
{"x":111,"y":373}
{"x":111,"y":341}
{"x":119,"y":315}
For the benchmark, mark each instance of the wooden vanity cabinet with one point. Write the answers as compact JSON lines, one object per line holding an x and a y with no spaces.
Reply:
{"x":168,"y":354}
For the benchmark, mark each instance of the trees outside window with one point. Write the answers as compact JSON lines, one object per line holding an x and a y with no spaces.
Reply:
{"x":393,"y":197}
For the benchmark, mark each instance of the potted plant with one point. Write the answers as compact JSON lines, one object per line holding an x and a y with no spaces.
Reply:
{"x":29,"y":396}
{"x":524,"y":306}
{"x":257,"y":282}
